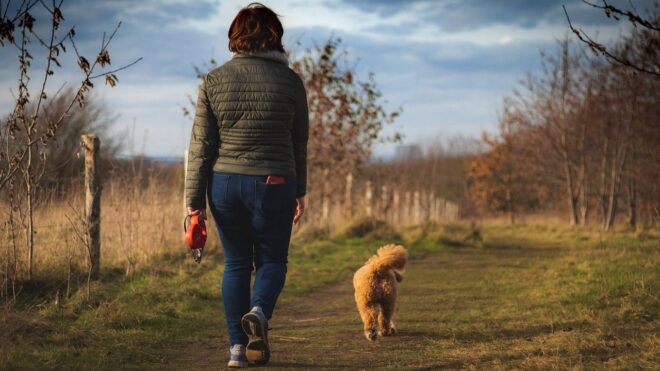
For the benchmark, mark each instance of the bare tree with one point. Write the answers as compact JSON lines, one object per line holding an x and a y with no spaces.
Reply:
{"x":587,"y":133}
{"x":59,"y":162}
{"x":30,"y":115}
{"x":552,"y":109}
{"x":346,"y":116}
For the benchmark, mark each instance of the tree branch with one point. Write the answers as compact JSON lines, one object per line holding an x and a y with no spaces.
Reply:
{"x":611,"y":11}
{"x":598,"y":48}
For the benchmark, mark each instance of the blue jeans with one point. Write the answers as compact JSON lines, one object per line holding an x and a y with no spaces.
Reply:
{"x":254,"y":221}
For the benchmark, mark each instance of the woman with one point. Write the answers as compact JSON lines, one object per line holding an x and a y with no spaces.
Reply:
{"x":248,"y":154}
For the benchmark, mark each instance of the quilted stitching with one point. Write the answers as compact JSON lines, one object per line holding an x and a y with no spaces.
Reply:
{"x":251,"y":118}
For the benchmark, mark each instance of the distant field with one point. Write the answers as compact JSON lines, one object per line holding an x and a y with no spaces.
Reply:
{"x":518,"y":297}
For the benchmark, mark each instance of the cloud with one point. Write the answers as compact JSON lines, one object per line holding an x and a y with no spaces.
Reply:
{"x":448,"y":63}
{"x":475,"y":22}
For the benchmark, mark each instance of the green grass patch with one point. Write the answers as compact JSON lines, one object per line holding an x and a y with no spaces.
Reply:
{"x":133,"y":320}
{"x":494,"y":296}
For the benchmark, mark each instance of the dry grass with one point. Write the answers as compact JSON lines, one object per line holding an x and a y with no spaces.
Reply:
{"x":141,"y":222}
{"x":136,"y":227}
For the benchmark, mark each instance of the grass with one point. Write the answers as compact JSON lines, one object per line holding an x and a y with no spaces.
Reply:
{"x":519,"y":297}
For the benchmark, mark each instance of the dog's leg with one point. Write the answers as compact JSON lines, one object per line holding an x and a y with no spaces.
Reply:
{"x":386,"y":317}
{"x":368,"y":314}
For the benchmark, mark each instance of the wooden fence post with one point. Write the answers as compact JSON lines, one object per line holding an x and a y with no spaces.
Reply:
{"x":91,"y":145}
{"x":443,"y":208}
{"x":397,"y":210}
{"x":430,"y":207}
{"x":423,"y":206}
{"x":416,"y":208}
{"x":408,"y":209}
{"x":348,"y":196}
{"x":368,"y":197}
{"x":384,"y":202}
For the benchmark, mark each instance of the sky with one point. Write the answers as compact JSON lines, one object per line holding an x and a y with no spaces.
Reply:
{"x":447,"y":63}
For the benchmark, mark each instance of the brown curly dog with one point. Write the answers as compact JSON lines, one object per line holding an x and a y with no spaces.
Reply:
{"x":375,"y":288}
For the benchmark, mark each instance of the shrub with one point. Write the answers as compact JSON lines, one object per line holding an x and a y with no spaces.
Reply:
{"x":368,"y":228}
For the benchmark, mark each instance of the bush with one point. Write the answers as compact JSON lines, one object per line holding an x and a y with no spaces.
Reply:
{"x":368,"y":228}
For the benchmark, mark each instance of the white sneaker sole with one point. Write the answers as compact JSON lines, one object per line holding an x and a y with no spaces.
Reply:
{"x":237,"y":364}
{"x":258,"y":349}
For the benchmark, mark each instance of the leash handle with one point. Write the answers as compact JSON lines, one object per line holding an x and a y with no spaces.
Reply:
{"x":197,"y":252}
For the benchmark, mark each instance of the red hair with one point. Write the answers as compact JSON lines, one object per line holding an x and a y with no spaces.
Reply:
{"x":256,"y":28}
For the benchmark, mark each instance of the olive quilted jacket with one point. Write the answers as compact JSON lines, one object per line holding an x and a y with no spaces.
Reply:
{"x":251,"y":118}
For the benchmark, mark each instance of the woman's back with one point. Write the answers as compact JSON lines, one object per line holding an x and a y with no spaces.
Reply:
{"x":251,"y":120}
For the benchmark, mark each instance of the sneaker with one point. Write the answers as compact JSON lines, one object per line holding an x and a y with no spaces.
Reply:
{"x":255,"y":326}
{"x":237,"y":358}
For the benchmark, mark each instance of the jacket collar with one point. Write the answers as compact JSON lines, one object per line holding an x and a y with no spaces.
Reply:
{"x":274,"y":55}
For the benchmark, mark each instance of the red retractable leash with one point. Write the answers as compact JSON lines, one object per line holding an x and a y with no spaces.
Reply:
{"x":195,"y":231}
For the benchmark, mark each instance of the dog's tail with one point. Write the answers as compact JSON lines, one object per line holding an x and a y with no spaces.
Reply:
{"x":392,"y":257}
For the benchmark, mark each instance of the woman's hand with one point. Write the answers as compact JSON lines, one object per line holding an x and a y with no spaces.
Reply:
{"x":300,"y":209}
{"x":201,"y":212}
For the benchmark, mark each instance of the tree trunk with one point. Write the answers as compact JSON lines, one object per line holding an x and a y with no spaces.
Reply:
{"x":632,"y":202}
{"x":30,"y":211}
{"x":509,"y":200}
{"x":615,"y":181}
{"x":610,"y":215}
{"x":603,"y":181}
{"x":583,"y":181}
{"x":632,"y":189}
{"x":572,"y":199}
{"x":565,"y":87}
{"x":612,"y":208}
{"x":584,"y":204}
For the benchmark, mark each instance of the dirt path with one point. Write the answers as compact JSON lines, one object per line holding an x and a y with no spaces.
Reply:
{"x":461,"y":308}
{"x":445,"y":317}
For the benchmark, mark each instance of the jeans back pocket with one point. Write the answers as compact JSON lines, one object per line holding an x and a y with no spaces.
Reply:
{"x":278,"y":198}
{"x":218,"y":188}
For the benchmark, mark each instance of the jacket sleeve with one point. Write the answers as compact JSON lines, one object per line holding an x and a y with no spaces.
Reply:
{"x":300,"y":134}
{"x":202,"y":151}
